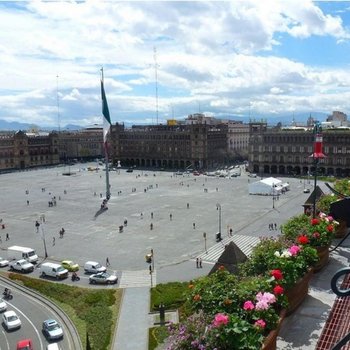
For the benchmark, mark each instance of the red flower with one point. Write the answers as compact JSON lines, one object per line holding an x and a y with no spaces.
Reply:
{"x":303,"y":239}
{"x":277,"y":290}
{"x":330,"y":228}
{"x":315,"y":222}
{"x":277,"y":274}
{"x":221,"y":268}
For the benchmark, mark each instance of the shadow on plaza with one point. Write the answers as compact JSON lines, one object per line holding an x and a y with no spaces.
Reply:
{"x":99,"y":212}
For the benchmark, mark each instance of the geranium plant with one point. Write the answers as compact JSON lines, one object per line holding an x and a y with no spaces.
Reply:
{"x":284,"y":261}
{"x":305,"y":230}
{"x":228,"y":313}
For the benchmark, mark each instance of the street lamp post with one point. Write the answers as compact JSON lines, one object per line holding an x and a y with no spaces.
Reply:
{"x":43,"y":238}
{"x":218,"y":207}
{"x":152,"y":254}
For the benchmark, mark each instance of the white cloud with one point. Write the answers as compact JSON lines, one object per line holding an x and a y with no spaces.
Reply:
{"x":227,"y":55}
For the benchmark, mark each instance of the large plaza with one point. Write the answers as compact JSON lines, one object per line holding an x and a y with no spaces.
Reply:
{"x":183,"y":208}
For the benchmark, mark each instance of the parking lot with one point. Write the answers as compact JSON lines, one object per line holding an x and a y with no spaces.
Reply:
{"x":183,"y":208}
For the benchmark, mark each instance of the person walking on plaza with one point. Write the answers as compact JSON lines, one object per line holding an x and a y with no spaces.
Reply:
{"x":197,"y":263}
{"x":7,"y":237}
{"x":53,"y":241}
{"x":171,"y":217}
{"x":107,"y":262}
{"x":194,"y":225}
{"x":200,"y":262}
{"x":37,"y":224}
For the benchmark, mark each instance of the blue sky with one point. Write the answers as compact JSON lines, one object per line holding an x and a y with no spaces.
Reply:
{"x":228,"y":59}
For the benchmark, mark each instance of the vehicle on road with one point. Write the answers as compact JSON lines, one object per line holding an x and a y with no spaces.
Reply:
{"x":21,"y":265}
{"x":130,"y":170}
{"x":306,"y":190}
{"x":25,"y":344}
{"x":16,"y":252}
{"x":3,"y":305}
{"x":10,"y":320}
{"x":53,"y":270}
{"x":252,"y":175}
{"x":103,"y":278}
{"x":70,"y":265}
{"x":52,"y":329}
{"x":94,"y":267}
{"x":3,"y":262}
{"x":53,"y":346}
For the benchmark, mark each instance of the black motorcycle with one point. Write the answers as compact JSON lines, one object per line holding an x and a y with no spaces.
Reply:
{"x":75,"y":277}
{"x":7,"y":295}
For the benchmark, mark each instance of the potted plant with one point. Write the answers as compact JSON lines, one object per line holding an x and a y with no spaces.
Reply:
{"x":230,"y":313}
{"x":289,"y":266}
{"x":316,"y":232}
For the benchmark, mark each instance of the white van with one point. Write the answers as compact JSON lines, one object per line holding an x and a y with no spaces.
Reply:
{"x":53,"y":346}
{"x":53,"y":270}
{"x":94,"y":267}
{"x":16,"y":252}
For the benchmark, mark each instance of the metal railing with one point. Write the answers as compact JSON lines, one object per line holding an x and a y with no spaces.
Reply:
{"x":340,"y":274}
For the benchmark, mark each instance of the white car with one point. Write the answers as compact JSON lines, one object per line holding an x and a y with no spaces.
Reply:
{"x":3,"y":305}
{"x":21,"y":265}
{"x":3,"y":262}
{"x":11,"y":320}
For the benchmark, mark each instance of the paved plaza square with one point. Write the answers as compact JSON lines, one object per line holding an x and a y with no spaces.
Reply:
{"x":177,"y":234}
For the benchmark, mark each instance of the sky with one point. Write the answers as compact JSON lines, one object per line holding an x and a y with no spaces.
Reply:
{"x":165,"y":60}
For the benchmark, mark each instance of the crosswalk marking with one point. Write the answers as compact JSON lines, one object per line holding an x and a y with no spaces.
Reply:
{"x":244,"y":243}
{"x":141,"y":278}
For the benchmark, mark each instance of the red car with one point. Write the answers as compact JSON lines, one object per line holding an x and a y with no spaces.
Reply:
{"x":25,"y":345}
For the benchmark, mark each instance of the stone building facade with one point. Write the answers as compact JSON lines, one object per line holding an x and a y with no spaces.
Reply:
{"x":83,"y":144}
{"x":22,"y":150}
{"x":274,"y":151}
{"x":196,"y":146}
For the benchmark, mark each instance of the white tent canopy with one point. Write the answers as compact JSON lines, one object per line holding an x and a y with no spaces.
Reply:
{"x":267,"y":187}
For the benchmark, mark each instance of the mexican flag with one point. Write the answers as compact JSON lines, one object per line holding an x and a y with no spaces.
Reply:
{"x":106,"y":116}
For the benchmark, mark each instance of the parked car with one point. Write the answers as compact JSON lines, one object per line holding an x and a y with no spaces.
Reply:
{"x":306,"y":190}
{"x":70,"y":265}
{"x":25,"y":344}
{"x":3,"y":262}
{"x":53,"y":270}
{"x":10,"y":320}
{"x":94,"y":267}
{"x":21,"y":265}
{"x":252,"y":175}
{"x":130,"y":170}
{"x":52,"y":329}
{"x":103,"y":278}
{"x":3,"y":305}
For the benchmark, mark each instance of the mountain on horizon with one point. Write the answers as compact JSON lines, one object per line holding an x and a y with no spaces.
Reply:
{"x":285,"y":119}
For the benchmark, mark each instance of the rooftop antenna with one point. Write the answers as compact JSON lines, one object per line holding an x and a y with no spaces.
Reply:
{"x":156,"y":77}
{"x":58,"y":106}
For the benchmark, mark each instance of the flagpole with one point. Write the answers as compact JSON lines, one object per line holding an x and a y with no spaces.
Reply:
{"x":108,"y":187}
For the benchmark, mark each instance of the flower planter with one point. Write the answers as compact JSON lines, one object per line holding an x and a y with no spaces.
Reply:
{"x":323,"y":258}
{"x":297,"y":293}
{"x":341,"y":230}
{"x":270,"y":342}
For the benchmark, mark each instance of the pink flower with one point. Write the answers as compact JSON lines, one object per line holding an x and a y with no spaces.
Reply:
{"x":220,"y":319}
{"x":260,"y":323}
{"x":316,"y":235}
{"x":330,"y":218}
{"x":248,"y":305}
{"x":294,"y":249}
{"x":262,"y":305}
{"x":266,"y":297}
